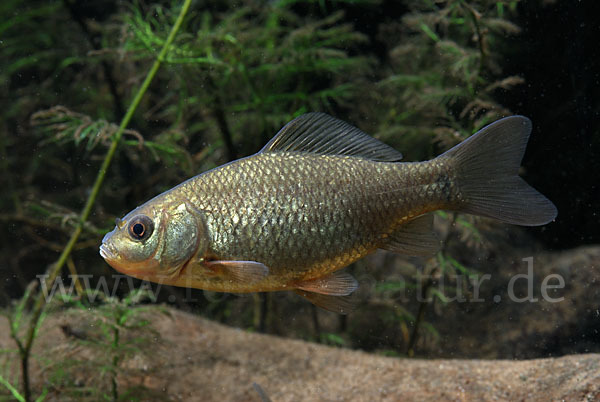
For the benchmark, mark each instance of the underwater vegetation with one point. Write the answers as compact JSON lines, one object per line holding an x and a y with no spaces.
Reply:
{"x":106,"y":104}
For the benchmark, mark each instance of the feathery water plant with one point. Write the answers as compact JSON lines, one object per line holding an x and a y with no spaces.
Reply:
{"x":444,"y":75}
{"x":96,"y":360}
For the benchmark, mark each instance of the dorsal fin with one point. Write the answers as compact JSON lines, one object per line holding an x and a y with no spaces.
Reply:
{"x":322,"y":134}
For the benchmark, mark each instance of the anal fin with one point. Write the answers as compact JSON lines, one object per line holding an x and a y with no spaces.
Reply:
{"x":335,"y":284}
{"x":239,"y":271}
{"x":337,"y":304}
{"x":415,"y":237}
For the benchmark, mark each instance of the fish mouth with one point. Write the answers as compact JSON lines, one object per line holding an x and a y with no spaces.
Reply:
{"x":106,"y":253}
{"x":114,"y":260}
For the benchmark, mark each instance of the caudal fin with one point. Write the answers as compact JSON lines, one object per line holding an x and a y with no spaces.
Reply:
{"x":486,"y":167}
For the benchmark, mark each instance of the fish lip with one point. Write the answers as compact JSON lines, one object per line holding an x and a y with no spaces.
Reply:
{"x":106,"y":253}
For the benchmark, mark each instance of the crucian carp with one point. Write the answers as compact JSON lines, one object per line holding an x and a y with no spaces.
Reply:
{"x":319,"y":196}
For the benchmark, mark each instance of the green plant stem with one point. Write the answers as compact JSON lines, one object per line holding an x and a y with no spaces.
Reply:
{"x":115,"y":365}
{"x":54,"y":269}
{"x":480,"y":41}
{"x":12,"y":389}
{"x":75,"y":276}
{"x":425,"y":289}
{"x":410,"y":349}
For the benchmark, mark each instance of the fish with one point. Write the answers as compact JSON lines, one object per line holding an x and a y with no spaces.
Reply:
{"x":319,"y":196}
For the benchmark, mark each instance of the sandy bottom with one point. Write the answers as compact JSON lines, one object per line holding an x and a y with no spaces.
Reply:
{"x":193,"y":359}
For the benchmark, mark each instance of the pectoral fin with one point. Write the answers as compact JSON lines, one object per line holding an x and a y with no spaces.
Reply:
{"x":414,"y":238}
{"x":239,"y":271}
{"x":337,"y":304}
{"x":334,"y":284}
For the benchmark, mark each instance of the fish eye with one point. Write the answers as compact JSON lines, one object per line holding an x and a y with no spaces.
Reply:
{"x":140,"y":227}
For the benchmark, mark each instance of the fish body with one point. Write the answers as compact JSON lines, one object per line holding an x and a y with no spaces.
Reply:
{"x":303,"y":215}
{"x":321,"y":195}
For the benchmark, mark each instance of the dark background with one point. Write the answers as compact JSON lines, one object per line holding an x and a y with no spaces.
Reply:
{"x":558,"y":54}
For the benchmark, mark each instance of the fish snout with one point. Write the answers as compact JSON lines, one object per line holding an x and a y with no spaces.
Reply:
{"x":106,"y":252}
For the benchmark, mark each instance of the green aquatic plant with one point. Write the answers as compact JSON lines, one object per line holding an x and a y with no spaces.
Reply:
{"x":114,"y":330}
{"x":256,"y":67}
{"x":444,"y":72}
{"x":59,"y":125}
{"x":102,"y":333}
{"x":9,"y":374}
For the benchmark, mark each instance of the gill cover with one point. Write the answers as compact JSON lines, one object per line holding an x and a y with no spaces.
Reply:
{"x":184,"y":230}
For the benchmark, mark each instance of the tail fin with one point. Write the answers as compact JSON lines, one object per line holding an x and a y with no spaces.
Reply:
{"x":486,"y":167}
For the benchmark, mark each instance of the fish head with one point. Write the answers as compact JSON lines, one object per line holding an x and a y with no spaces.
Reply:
{"x":154,"y":241}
